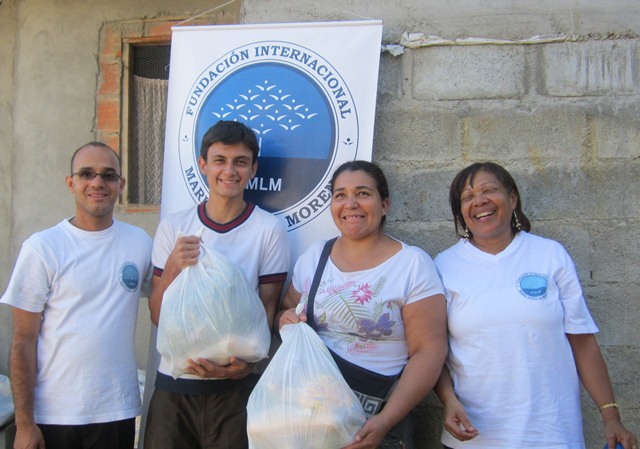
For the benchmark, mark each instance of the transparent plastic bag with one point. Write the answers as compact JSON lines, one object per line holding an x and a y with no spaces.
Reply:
{"x":302,"y":400}
{"x":210,"y":311}
{"x":6,"y":401}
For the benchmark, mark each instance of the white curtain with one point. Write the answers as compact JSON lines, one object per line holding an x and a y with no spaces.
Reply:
{"x":149,"y":111}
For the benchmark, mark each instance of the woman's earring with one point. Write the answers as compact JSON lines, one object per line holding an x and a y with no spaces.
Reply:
{"x":516,"y":222}
{"x":465,"y":234}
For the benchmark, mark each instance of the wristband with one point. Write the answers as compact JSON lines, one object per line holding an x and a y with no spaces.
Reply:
{"x":609,"y":405}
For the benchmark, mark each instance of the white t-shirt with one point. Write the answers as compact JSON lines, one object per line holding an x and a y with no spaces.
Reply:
{"x":87,"y":286}
{"x":358,"y":314}
{"x":256,"y":241}
{"x":510,"y":361}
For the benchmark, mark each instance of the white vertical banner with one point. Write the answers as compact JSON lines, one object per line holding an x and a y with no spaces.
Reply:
{"x":308,"y":90}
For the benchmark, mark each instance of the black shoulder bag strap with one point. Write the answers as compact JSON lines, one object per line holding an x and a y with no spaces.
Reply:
{"x":371,"y":388}
{"x":317,"y":277}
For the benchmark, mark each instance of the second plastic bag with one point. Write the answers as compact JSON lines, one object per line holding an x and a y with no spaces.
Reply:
{"x":302,"y":400}
{"x":211,"y":311}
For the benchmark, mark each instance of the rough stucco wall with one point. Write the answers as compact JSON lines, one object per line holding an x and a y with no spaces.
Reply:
{"x":55,"y":95}
{"x":7,"y":53}
{"x":562,"y":117}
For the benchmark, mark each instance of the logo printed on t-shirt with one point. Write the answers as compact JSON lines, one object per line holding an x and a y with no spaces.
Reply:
{"x":533,"y":285}
{"x":129,"y":276}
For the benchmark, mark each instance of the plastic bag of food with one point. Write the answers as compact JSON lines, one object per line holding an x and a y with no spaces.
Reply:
{"x":6,"y":401}
{"x":302,"y":400}
{"x":211,"y":311}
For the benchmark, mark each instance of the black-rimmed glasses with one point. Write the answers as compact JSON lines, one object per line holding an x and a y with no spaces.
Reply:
{"x":89,"y":175}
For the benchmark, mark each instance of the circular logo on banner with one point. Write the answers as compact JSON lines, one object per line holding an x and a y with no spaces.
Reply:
{"x":301,"y":111}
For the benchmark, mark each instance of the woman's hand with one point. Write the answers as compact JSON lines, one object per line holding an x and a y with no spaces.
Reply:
{"x":290,"y":303}
{"x":615,"y":432}
{"x":456,"y":421}
{"x":290,"y":316}
{"x":371,"y":434}
{"x":236,"y":369}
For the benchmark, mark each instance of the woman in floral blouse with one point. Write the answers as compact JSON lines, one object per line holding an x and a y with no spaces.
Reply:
{"x":379,"y":304}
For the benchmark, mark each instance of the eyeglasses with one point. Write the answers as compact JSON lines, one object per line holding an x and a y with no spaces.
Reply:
{"x":89,"y":175}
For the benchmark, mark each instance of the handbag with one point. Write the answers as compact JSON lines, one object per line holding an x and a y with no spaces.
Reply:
{"x":371,"y":388}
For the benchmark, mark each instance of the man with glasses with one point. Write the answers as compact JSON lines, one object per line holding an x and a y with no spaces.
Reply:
{"x":74,"y":292}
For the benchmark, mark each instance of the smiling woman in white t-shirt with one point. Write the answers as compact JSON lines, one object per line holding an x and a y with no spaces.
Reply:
{"x":379,"y":304}
{"x":520,"y":335}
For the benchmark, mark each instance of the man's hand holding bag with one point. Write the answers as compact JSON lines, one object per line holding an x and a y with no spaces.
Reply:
{"x":210,"y":311}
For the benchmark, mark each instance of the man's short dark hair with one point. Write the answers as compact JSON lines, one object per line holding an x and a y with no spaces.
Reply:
{"x":230,"y":132}
{"x":98,"y":145}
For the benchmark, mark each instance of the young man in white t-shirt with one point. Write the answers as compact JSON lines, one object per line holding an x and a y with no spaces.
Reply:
{"x":207,"y":407}
{"x":75,"y":291}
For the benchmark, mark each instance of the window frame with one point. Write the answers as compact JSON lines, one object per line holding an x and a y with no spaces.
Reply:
{"x":127,"y":86}
{"x":113,"y":105}
{"x":115,"y":76}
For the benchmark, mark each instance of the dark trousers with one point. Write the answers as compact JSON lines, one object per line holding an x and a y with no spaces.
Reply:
{"x":400,"y":436}
{"x":109,"y":435}
{"x":197,"y":421}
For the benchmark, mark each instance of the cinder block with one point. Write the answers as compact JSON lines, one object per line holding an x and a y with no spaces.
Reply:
{"x":616,"y":134}
{"x":555,"y":192}
{"x":418,"y":194}
{"x":574,"y":237}
{"x":590,"y":68}
{"x":615,"y":308}
{"x":431,"y":237}
{"x":616,"y":252}
{"x":548,"y":133}
{"x":391,"y":76}
{"x":417,"y":135}
{"x":623,"y":363}
{"x":469,"y":72}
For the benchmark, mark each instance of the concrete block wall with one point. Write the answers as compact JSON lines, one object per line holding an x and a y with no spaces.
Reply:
{"x":563,"y":118}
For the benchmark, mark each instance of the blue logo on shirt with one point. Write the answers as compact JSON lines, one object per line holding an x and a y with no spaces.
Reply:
{"x":533,"y":285}
{"x":129,"y":276}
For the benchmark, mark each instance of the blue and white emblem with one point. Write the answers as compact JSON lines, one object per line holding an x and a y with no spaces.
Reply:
{"x":533,"y":285}
{"x":301,"y":111}
{"x":129,"y":276}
